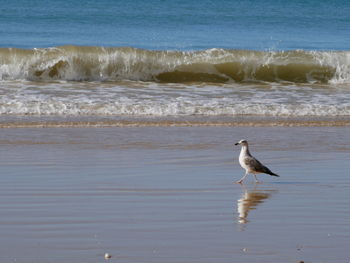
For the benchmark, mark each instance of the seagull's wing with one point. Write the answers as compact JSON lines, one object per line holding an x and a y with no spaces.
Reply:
{"x":257,"y":166}
{"x":254,"y":164}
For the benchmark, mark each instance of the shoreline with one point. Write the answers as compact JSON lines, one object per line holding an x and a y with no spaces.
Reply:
{"x":169,"y":121}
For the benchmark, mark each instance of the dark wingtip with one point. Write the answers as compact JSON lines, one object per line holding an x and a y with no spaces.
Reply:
{"x":271,"y":173}
{"x":268,"y":171}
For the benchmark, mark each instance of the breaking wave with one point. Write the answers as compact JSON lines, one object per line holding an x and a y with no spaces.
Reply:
{"x":75,"y":63}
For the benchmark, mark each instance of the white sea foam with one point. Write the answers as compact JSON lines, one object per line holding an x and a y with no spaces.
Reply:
{"x":151,"y":99}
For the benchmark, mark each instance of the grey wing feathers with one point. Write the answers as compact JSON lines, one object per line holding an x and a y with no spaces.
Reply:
{"x":253,"y":164}
{"x":257,"y":166}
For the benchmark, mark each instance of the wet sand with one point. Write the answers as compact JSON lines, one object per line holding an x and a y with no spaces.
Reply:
{"x":166,"y":194}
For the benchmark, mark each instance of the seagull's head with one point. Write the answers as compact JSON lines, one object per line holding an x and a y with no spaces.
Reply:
{"x":242,"y":143}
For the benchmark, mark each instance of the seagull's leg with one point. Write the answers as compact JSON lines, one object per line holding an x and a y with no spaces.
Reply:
{"x":256,"y":179}
{"x":241,"y":180}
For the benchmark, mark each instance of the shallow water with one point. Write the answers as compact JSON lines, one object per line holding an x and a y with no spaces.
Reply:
{"x":166,"y":194}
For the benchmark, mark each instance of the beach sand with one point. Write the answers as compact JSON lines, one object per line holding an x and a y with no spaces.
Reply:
{"x":166,"y":194}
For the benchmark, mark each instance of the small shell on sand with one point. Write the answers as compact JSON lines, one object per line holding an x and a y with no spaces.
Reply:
{"x":108,"y":256}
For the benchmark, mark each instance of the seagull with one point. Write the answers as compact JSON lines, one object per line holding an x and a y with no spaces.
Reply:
{"x":250,"y":164}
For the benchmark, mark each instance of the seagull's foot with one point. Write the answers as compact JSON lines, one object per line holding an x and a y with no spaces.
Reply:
{"x":239,"y":182}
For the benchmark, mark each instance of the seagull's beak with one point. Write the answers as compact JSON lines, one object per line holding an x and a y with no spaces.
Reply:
{"x":236,"y":143}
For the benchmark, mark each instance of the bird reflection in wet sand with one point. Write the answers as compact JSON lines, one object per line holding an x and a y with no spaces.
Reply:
{"x":249,"y":200}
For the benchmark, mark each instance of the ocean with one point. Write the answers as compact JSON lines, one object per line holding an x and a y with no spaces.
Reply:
{"x":89,"y":62}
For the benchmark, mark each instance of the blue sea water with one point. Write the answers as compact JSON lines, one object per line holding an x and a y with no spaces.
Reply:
{"x":179,"y":25}
{"x":175,"y":58}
